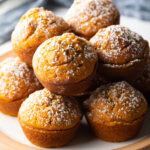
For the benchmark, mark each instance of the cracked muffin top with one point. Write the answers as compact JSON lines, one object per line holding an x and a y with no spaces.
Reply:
{"x":86,"y":17}
{"x":64,"y":59}
{"x":119,"y":45}
{"x":36,"y":26}
{"x":46,"y":110}
{"x":17,"y":80}
{"x":116,"y":102}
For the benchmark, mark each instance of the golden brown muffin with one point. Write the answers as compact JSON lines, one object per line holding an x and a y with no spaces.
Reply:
{"x":49,"y":120}
{"x":122,"y":53}
{"x":116,"y":111}
{"x":86,"y":17}
{"x":65,"y":64}
{"x":36,"y":26}
{"x":17,"y":81}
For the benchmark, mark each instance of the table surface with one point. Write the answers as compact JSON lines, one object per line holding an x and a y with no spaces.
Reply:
{"x":84,"y":140}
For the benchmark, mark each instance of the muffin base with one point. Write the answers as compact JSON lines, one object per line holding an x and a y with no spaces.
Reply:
{"x":49,"y":138}
{"x":11,"y":108}
{"x":69,"y":89}
{"x":129,"y":72}
{"x":116,"y":131}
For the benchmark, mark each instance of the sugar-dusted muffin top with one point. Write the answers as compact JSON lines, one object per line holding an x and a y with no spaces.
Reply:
{"x":17,"y":80}
{"x":86,"y":17}
{"x":64,"y":59}
{"x":36,"y":26}
{"x":119,"y":45}
{"x":116,"y":102}
{"x":46,"y":110}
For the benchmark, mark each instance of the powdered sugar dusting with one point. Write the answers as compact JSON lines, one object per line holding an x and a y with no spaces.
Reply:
{"x":118,"y":100}
{"x":39,"y":24}
{"x":16,"y":79}
{"x":69,"y":52}
{"x":85,"y":14}
{"x":45,"y":109}
{"x":116,"y":41}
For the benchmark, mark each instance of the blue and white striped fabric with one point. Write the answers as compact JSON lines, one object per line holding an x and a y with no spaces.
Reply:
{"x":134,"y":8}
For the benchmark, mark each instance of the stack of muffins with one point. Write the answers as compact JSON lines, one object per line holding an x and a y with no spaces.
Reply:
{"x":87,"y":57}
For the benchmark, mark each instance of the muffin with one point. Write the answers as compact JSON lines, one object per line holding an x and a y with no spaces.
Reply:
{"x":36,"y":26}
{"x":122,"y":53}
{"x":143,"y":82}
{"x":65,"y":64}
{"x":49,"y":120}
{"x":17,"y":81}
{"x":116,"y":111}
{"x":86,"y":17}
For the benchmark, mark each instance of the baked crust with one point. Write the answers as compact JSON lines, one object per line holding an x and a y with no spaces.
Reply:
{"x":129,"y":72}
{"x":36,"y":26}
{"x":74,"y":89}
{"x":122,"y":52}
{"x":62,"y":64}
{"x":46,"y":110}
{"x":115,"y":131}
{"x":87,"y":17}
{"x":115,"y":108}
{"x":49,"y":138}
{"x":11,"y":108}
{"x":17,"y":81}
{"x":49,"y":120}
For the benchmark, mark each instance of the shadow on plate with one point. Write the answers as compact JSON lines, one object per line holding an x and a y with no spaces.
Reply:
{"x":84,"y":134}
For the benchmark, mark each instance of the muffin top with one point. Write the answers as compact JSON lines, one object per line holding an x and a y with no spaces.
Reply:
{"x":116,"y":102}
{"x":64,"y":59}
{"x":35,"y":27}
{"x":119,"y":45}
{"x":88,"y":16}
{"x":45,"y":110}
{"x":17,"y":80}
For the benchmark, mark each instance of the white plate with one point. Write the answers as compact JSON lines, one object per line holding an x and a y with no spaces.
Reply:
{"x":84,"y":139}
